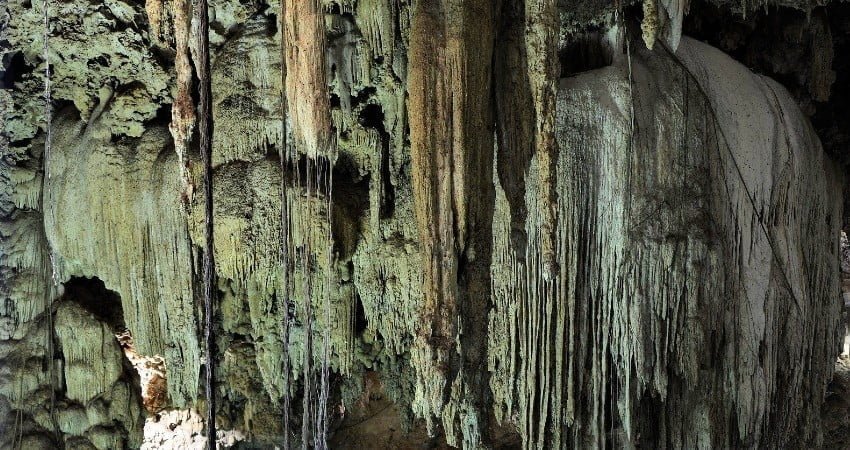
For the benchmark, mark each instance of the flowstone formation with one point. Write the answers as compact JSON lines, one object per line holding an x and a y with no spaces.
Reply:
{"x":441,"y":223}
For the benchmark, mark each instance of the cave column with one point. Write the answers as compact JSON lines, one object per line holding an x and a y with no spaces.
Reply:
{"x":452,"y":156}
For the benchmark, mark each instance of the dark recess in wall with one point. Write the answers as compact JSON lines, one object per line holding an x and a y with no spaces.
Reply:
{"x":585,"y":51}
{"x":94,"y":297}
{"x":14,"y":69}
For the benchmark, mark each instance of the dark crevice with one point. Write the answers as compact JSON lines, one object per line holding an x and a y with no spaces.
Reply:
{"x":163,"y":116}
{"x":388,"y":190}
{"x":586,"y":51}
{"x":15,"y":67}
{"x":362,"y":97}
{"x":372,"y":116}
{"x":94,"y":297}
{"x":273,"y":22}
{"x":360,"y":321}
{"x":350,"y":203}
{"x":102,"y":61}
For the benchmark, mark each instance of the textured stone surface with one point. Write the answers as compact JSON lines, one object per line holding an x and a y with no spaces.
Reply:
{"x":115,"y":214}
{"x":664,"y":200}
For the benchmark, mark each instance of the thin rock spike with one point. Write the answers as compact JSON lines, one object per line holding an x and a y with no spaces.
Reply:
{"x":323,"y":397}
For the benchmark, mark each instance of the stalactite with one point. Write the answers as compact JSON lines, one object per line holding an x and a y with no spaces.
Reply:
{"x":667,"y":264}
{"x":154,"y":11}
{"x":324,"y":182}
{"x":526,"y":78}
{"x":202,"y":64}
{"x":451,"y":44}
{"x":611,"y":278}
{"x":308,"y":107}
{"x":662,"y":19}
{"x":286,"y":253}
{"x":306,"y":85}
{"x":650,"y":25}
{"x":308,"y":418}
{"x":541,"y":45}
{"x":54,"y":275}
{"x":183,"y":108}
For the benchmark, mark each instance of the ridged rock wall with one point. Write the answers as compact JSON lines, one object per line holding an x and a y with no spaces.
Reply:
{"x":682,"y":228}
{"x":115,"y":215}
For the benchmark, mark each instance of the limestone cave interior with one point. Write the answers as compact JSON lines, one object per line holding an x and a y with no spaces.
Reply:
{"x":424,"y":224}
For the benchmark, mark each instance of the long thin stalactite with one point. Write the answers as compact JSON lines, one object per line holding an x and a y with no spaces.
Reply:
{"x":202,"y":62}
{"x":307,"y":108}
{"x":285,"y":227}
{"x":54,"y":275}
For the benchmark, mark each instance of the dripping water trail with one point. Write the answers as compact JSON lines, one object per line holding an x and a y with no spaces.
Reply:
{"x":285,"y":244}
{"x":286,"y":253}
{"x":205,"y":135}
{"x":54,"y":273}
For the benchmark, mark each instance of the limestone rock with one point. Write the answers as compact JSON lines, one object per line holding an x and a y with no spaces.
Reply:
{"x":679,"y":279}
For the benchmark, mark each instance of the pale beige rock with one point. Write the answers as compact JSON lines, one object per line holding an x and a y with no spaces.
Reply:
{"x":680,"y":279}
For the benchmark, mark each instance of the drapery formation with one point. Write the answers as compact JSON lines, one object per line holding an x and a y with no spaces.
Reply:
{"x":675,"y":284}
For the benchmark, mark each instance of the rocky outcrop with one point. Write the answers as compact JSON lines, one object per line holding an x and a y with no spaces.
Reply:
{"x":97,"y":403}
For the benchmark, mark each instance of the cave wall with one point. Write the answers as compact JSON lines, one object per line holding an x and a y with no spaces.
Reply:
{"x":642,"y":253}
{"x":672,"y":280}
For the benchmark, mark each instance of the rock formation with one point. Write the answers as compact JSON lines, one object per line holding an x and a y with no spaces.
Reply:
{"x":441,"y":223}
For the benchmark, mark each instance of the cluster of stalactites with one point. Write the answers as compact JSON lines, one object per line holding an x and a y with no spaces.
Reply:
{"x":673,"y":283}
{"x":451,"y":72}
{"x":306,"y":103}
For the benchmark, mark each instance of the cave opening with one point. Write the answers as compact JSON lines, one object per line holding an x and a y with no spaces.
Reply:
{"x":585,"y":51}
{"x":105,"y":305}
{"x":94,"y":297}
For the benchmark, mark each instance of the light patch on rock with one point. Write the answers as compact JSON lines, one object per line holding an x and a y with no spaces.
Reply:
{"x":182,"y":429}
